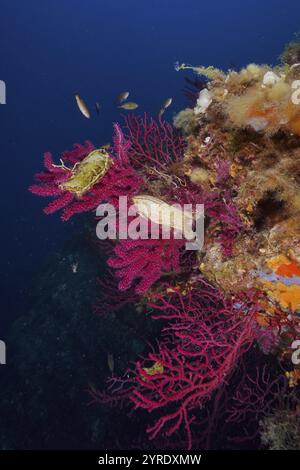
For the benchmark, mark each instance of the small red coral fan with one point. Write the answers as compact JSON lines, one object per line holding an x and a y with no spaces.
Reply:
{"x":90,"y":181}
{"x":142,"y":262}
{"x":204,"y":337}
{"x":153,"y":144}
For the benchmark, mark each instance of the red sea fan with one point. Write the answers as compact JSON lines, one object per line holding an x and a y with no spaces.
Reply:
{"x":256,"y":395}
{"x":141,"y":263}
{"x":202,"y":342}
{"x":120,"y":179}
{"x":49,"y":181}
{"x":153,"y":144}
{"x":78,"y":153}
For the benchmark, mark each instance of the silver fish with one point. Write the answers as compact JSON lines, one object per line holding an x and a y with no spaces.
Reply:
{"x":82,"y":106}
{"x":122,"y":97}
{"x":98,"y":107}
{"x":129,"y":105}
{"x":167,"y":103}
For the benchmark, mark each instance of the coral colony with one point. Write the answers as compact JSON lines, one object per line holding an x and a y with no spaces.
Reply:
{"x":237,"y":299}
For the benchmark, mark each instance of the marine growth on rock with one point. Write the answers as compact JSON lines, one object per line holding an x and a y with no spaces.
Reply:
{"x":237,"y":152}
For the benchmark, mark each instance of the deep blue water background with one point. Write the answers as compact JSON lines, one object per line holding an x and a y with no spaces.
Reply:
{"x":51,"y":49}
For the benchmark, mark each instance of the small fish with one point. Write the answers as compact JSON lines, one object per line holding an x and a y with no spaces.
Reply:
{"x":82,"y":106}
{"x":167,"y":103}
{"x":110,"y":362}
{"x":98,"y":107}
{"x":129,"y":105}
{"x":122,"y":97}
